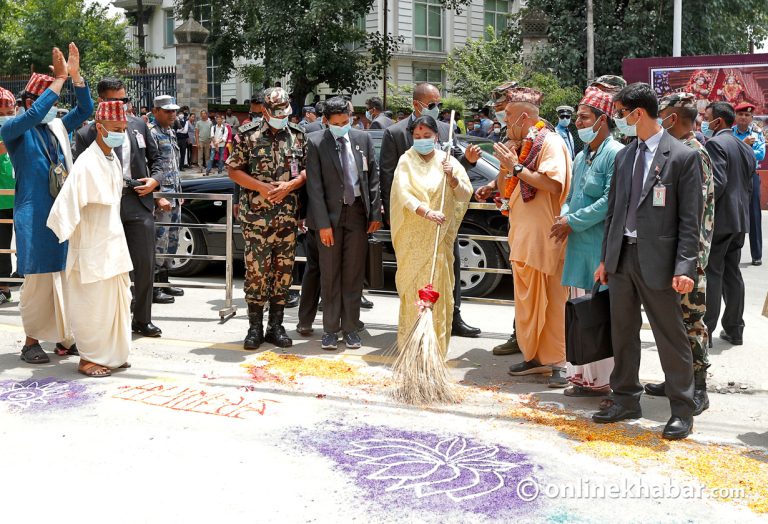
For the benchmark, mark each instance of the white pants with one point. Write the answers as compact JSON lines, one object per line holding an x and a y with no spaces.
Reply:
{"x":100,"y":313}
{"x":42,"y":308}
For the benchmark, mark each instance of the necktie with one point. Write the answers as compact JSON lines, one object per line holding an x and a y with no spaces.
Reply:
{"x":349,"y":179}
{"x":637,"y":187}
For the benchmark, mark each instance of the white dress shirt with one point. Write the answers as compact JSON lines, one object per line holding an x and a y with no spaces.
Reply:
{"x":652,"y":144}
{"x":125,"y":161}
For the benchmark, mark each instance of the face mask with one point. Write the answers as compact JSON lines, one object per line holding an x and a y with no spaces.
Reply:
{"x":496,"y":130}
{"x":113,"y":139}
{"x":661,"y":121}
{"x":52,"y":112}
{"x":706,"y":131}
{"x":434,"y":112}
{"x":368,"y":116}
{"x":624,"y":128}
{"x":424,"y":146}
{"x":4,"y":119}
{"x":278,"y":123}
{"x":340,"y":131}
{"x":254,"y":116}
{"x":588,"y":134}
{"x":501,"y":116}
{"x":565,"y":122}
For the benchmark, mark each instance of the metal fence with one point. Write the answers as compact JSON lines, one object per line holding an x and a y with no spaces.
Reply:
{"x":16,"y":84}
{"x":143,"y":85}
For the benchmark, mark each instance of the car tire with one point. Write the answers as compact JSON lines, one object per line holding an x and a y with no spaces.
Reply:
{"x":191,"y":242}
{"x":483,"y":254}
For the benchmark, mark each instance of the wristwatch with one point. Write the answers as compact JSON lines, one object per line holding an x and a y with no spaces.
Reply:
{"x":517,"y":169}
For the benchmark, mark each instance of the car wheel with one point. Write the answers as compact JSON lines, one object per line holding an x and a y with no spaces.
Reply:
{"x":481,"y":254}
{"x":191,"y":242}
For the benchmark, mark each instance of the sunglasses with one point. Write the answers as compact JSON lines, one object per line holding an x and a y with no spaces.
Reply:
{"x":432,"y":105}
{"x":125,"y":100}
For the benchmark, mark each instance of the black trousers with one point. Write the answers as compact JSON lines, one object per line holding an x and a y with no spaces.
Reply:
{"x":724,"y":283}
{"x":183,"y":142}
{"x":342,"y":270}
{"x":627,"y":291}
{"x":139,"y":227}
{"x":6,"y":232}
{"x":755,"y":221}
{"x":456,"y":280}
{"x":310,"y":281}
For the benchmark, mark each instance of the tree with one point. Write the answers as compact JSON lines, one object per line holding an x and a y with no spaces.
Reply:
{"x":643,"y":28}
{"x":477,"y":68}
{"x":31,"y":28}
{"x":313,"y":41}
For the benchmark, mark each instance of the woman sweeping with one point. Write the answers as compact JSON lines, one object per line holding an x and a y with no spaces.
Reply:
{"x":415,"y":212}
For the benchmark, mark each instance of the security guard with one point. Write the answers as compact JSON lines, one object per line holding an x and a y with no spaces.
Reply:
{"x":268,"y":162}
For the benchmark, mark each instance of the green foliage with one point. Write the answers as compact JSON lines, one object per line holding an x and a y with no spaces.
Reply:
{"x":399,"y":97}
{"x":455,"y":103}
{"x":31,"y":28}
{"x":643,"y":28}
{"x":481,"y":65}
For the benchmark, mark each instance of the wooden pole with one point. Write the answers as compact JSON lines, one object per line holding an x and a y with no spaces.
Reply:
{"x":590,"y":42}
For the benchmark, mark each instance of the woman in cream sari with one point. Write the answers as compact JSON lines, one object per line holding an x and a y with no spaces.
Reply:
{"x":414,"y":216}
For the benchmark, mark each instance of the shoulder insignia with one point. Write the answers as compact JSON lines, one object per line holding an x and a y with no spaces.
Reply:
{"x":250,"y":126}
{"x":296,"y":127}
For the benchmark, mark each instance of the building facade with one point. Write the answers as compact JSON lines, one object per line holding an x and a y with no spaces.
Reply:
{"x":430,"y":33}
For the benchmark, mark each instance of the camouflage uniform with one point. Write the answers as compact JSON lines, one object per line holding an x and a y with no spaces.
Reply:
{"x":167,"y":238}
{"x":694,"y":303}
{"x":269,"y":230}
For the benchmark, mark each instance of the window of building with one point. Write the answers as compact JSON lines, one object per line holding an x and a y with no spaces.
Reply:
{"x":428,"y":73}
{"x":360,"y":26}
{"x":496,"y":15}
{"x":214,"y":80}
{"x":170,"y":25}
{"x":428,"y":26}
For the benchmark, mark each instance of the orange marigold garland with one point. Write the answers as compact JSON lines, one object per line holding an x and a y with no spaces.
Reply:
{"x":510,"y":181}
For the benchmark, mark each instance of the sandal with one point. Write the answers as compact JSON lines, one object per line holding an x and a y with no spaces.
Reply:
{"x":580,"y":391}
{"x":63,"y":352}
{"x":90,"y":369}
{"x":124,"y":366}
{"x":34,"y":354}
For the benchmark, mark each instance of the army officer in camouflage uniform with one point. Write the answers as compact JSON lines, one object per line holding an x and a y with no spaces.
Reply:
{"x":268,"y":164}
{"x":678,"y":115}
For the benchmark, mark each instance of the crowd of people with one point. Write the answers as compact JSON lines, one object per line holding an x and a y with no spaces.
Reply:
{"x":633,"y":201}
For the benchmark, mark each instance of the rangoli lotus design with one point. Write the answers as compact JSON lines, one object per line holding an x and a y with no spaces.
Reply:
{"x":43,"y":394}
{"x":451,"y":468}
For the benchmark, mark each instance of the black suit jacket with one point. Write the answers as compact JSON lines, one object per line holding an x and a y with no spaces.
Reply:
{"x":668,"y":236}
{"x":325,"y":178}
{"x":144,"y":161}
{"x":732,"y":168}
{"x":397,"y":140}
{"x":381,"y":122}
{"x":317,"y":125}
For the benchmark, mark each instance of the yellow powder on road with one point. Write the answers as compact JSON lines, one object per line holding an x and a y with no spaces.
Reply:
{"x":294,"y":366}
{"x":716,"y":466}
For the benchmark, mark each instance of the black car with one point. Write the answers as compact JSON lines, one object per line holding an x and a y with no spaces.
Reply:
{"x":473,"y":253}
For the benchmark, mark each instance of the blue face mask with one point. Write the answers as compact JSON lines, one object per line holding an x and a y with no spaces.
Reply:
{"x":278,"y":123}
{"x":588,"y":134}
{"x":340,"y":131}
{"x":424,"y":146}
{"x":706,"y":131}
{"x":368,"y":116}
{"x":114,"y":139}
{"x":52,"y":112}
{"x":434,"y":112}
{"x":564,"y":122}
{"x":624,"y":128}
{"x":4,"y":119}
{"x":501,"y":117}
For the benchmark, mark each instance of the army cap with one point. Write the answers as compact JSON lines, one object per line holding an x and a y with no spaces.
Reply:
{"x":499,"y":94}
{"x":677,"y":100}
{"x":610,"y":83}
{"x":276,"y":100}
{"x":165,"y":102}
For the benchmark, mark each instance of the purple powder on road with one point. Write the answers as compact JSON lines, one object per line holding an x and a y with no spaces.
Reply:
{"x":438,"y":474}
{"x":37,"y":395}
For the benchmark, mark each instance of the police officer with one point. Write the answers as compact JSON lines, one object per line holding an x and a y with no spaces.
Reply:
{"x":268,"y":164}
{"x":166,"y":209}
{"x":750,"y":134}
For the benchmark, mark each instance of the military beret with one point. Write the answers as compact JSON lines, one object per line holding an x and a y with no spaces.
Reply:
{"x":677,"y":100}
{"x":745,"y":107}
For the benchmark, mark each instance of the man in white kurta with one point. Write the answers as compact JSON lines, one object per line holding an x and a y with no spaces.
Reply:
{"x":97,"y":285}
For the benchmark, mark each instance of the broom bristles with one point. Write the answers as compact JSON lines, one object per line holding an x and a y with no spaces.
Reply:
{"x":420,"y":373}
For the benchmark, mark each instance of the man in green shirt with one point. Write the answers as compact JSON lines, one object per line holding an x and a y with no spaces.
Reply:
{"x":7,"y":181}
{"x":203,"y":139}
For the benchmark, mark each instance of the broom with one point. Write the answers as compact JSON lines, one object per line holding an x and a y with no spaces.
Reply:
{"x":420,"y":373}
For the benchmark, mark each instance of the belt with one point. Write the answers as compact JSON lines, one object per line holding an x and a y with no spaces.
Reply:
{"x":630,"y":241}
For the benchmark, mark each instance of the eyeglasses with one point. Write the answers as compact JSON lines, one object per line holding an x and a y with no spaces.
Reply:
{"x":432,"y":105}
{"x":621,"y":113}
{"x":125,"y":100}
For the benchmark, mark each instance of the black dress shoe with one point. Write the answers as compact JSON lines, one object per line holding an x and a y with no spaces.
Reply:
{"x":174,"y":291}
{"x":461,"y":329}
{"x":292,"y":300}
{"x":757,"y":262}
{"x":146,"y":329}
{"x":734,"y":341}
{"x":616,"y":413}
{"x":677,"y":428}
{"x":701,"y":399}
{"x":160,"y":297}
{"x":365,"y":303}
{"x":655,"y":390}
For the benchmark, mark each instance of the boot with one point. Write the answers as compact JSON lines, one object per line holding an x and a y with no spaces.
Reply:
{"x":700,"y":397}
{"x":275,"y":331}
{"x":162,"y":277}
{"x":255,"y":335}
